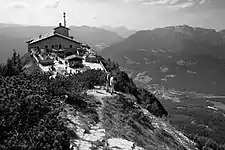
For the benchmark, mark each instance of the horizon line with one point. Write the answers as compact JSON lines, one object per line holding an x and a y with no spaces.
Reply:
{"x":102,"y":26}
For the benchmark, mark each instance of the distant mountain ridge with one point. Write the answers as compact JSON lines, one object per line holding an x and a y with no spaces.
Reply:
{"x":175,"y":56}
{"x":15,"y":36}
{"x":94,"y":35}
{"x":120,"y":30}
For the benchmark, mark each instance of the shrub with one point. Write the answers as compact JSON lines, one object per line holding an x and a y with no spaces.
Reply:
{"x":124,"y":83}
{"x":28,"y":115}
{"x":12,"y":67}
{"x":148,"y":101}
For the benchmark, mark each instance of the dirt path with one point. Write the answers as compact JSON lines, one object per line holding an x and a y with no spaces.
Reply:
{"x":99,"y":95}
{"x":96,"y":132}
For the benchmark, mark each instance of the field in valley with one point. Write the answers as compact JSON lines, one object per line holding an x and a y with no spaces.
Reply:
{"x":193,"y":113}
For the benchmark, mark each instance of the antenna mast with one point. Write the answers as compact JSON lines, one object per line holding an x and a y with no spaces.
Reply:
{"x":64,"y":16}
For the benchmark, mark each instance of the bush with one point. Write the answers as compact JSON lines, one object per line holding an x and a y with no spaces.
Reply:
{"x":12,"y":67}
{"x":124,"y":83}
{"x":29,"y":115}
{"x":76,"y":83}
{"x":148,"y":101}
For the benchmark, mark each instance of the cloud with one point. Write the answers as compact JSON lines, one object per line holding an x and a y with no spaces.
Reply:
{"x":202,"y":1}
{"x":97,"y":1}
{"x":18,"y":5}
{"x":127,"y":1}
{"x":51,"y":4}
{"x":171,"y":3}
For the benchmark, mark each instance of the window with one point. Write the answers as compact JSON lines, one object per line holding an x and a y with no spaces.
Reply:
{"x":52,"y":46}
{"x":60,"y":46}
{"x":46,"y":46}
{"x":71,"y":46}
{"x":56,"y":46}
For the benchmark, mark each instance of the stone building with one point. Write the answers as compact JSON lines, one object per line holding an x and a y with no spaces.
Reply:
{"x":59,"y":39}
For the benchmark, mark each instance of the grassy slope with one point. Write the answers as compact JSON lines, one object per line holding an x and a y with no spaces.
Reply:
{"x":123,"y":118}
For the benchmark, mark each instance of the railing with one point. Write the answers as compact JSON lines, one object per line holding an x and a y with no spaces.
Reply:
{"x":103,"y":66}
{"x":37,"y":60}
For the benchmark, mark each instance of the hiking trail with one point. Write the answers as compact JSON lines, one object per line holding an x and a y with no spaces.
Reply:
{"x":93,"y":139}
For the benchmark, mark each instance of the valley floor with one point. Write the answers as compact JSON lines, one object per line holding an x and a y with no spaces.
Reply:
{"x":194,"y":113}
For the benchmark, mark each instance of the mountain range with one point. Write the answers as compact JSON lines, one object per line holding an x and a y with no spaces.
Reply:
{"x":14,"y":36}
{"x":171,"y":62}
{"x":120,"y":30}
{"x":181,"y":57}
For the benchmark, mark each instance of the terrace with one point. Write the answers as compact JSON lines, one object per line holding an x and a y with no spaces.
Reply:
{"x":51,"y":62}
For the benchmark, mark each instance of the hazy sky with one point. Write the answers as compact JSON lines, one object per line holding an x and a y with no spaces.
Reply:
{"x":134,"y":14}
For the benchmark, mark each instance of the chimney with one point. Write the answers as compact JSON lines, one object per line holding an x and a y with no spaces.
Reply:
{"x":60,"y":24}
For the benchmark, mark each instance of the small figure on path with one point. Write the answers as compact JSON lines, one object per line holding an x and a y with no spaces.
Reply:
{"x":112,"y":84}
{"x":108,"y":81}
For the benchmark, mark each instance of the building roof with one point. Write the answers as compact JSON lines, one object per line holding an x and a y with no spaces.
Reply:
{"x":49,"y":35}
{"x":41,"y":37}
{"x":61,"y":27}
{"x":73,"y":56}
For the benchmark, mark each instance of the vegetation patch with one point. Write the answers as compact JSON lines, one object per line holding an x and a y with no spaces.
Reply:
{"x":28,"y":117}
{"x":123,"y":120}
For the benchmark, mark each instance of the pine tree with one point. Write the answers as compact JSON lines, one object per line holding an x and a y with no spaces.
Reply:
{"x":13,"y":65}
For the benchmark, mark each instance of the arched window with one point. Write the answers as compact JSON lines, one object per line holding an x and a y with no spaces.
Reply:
{"x":71,"y":46}
{"x":46,"y":46}
{"x":60,"y":46}
{"x":52,"y":46}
